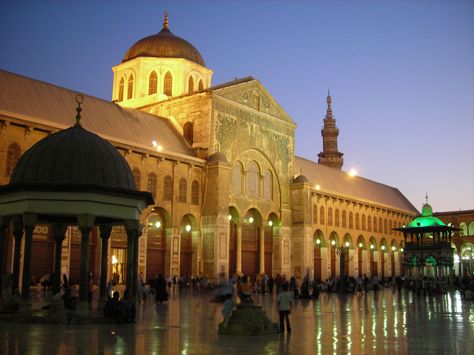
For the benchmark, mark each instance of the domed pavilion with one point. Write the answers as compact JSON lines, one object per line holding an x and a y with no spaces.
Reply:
{"x":428,"y":250}
{"x":72,"y":178}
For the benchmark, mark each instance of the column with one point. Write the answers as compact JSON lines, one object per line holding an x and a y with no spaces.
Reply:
{"x":133,"y":233}
{"x":86,"y":223}
{"x":18,"y":235}
{"x":105,"y":231}
{"x":3,"y":235}
{"x":261,"y":249}
{"x":29,"y":221}
{"x":239,"y":249}
{"x":58,"y":235}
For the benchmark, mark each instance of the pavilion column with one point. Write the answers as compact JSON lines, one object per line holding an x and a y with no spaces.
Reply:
{"x":29,"y":221}
{"x":18,"y":235}
{"x":261,"y":249}
{"x":3,"y":234}
{"x":132,"y":227}
{"x":86,"y":223}
{"x":59,"y":232}
{"x":239,"y":249}
{"x":105,"y":231}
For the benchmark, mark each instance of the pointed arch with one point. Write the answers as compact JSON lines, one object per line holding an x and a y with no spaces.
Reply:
{"x":183,"y":190}
{"x":336,"y":217}
{"x":130,"y":87}
{"x":153,"y":83}
{"x":13,"y":154}
{"x":190,"y":84}
{"x":167,"y":188}
{"x":121,"y":89}
{"x":188,"y":132}
{"x":268,"y":186}
{"x":195,"y":193}
{"x":253,"y":179}
{"x":329,"y":216}
{"x":200,"y":85}
{"x":137,"y":177}
{"x":152,"y":184}
{"x":168,"y":84}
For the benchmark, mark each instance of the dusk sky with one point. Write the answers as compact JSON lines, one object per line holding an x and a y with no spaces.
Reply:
{"x":401,"y":73}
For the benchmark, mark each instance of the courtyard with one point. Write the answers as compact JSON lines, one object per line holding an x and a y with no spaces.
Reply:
{"x":388,"y":322}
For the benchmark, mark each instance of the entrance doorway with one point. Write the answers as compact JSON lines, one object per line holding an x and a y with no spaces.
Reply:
{"x":119,"y":265}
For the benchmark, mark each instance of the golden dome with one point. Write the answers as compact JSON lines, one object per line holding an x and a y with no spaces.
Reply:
{"x":164,"y":45}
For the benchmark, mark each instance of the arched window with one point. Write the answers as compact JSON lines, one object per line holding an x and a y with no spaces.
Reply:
{"x":130,"y":87}
{"x":337,"y":218}
{"x":137,"y":177}
{"x":121,"y":89}
{"x":329,"y":216}
{"x":363,"y":222}
{"x":152,"y":184}
{"x":252,"y":180}
{"x":315,"y":214}
{"x":321,"y":215}
{"x":13,"y":154}
{"x":237,"y":173}
{"x":375,"y":225}
{"x":190,"y":84}
{"x":200,"y":85}
{"x":183,"y":190}
{"x":268,"y":186}
{"x":344,"y":219}
{"x":168,"y":84}
{"x":357,"y":221}
{"x":153,"y":83}
{"x":369,"y":224}
{"x":351,"y":220}
{"x":195,"y":193}
{"x":385,"y":226}
{"x":168,"y":188}
{"x":390,"y":223}
{"x":188,"y":132}
{"x":380,"y":225}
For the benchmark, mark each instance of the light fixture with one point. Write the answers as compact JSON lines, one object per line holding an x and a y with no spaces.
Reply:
{"x":401,"y":249}
{"x":158,"y":147}
{"x":251,"y":220}
{"x":114,"y":260}
{"x":318,"y":241}
{"x":383,"y":247}
{"x":393,"y":248}
{"x":270,"y":223}
{"x":318,"y":187}
{"x":158,"y":225}
{"x":230,"y":217}
{"x":352,"y":172}
{"x":333,"y":242}
{"x":361,"y":245}
{"x":372,"y":246}
{"x":188,"y":228}
{"x":347,"y":244}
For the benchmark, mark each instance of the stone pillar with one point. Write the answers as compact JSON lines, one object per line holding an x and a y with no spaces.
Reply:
{"x":132,"y":227}
{"x":105,"y":231}
{"x":3,"y":234}
{"x":86,"y":223}
{"x":239,"y":249}
{"x":29,"y":221}
{"x":261,"y":249}
{"x":59,"y":232}
{"x":18,"y":235}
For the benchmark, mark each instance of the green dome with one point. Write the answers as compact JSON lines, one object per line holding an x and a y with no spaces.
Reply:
{"x":426,"y":210}
{"x":429,"y":221}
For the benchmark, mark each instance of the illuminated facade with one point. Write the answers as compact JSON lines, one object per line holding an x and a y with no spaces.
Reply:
{"x":230,"y":194}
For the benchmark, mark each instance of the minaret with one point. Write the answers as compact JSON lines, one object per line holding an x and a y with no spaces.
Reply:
{"x":330,"y":156}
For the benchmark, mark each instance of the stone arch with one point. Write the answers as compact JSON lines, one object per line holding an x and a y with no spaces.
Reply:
{"x":347,"y":243}
{"x":190,"y":84}
{"x":318,"y":235}
{"x":188,"y":229}
{"x":13,"y":154}
{"x":272,"y":227}
{"x":361,"y":242}
{"x":158,"y":222}
{"x":470,"y":228}
{"x":152,"y":83}
{"x":200,"y":85}
{"x":360,"y":260}
{"x":168,"y":84}
{"x":130,"y":86}
{"x":333,"y":244}
{"x":253,"y":179}
{"x":318,"y":243}
{"x":137,"y":178}
{"x":251,"y":227}
{"x":373,"y":263}
{"x":237,"y":178}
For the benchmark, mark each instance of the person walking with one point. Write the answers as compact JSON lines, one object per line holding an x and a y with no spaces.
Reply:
{"x":285,"y":301}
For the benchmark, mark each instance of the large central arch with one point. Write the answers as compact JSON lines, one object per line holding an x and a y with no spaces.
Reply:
{"x":251,"y":225}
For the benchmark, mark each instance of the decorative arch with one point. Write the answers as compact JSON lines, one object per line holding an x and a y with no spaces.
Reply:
{"x":357,"y":221}
{"x":318,"y":242}
{"x":322,"y":215}
{"x":167,"y":188}
{"x":330,"y":216}
{"x":237,"y":178}
{"x":190,"y":84}
{"x":137,"y":176}
{"x":369,"y":223}
{"x":373,"y":242}
{"x":151,"y":185}
{"x":363,"y":222}
{"x":344,"y":219}
{"x":188,"y":237}
{"x":348,"y":239}
{"x":351,"y":220}
{"x":168,"y":84}
{"x":470,"y":228}
{"x":153,"y":83}
{"x":268,"y":186}
{"x":252,"y":224}
{"x":13,"y":154}
{"x":319,"y":236}
{"x":157,"y":223}
{"x":253,"y":179}
{"x":361,"y":242}
{"x":183,"y":190}
{"x":188,"y":132}
{"x":336,"y":217}
{"x":200,"y":85}
{"x":130,"y":87}
{"x":121,"y":89}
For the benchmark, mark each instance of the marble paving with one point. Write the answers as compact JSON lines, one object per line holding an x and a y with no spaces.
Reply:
{"x":386,"y":323}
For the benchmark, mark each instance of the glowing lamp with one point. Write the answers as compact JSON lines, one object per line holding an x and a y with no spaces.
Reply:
{"x":188,"y":228}
{"x":251,"y":220}
{"x":360,"y":245}
{"x":372,"y":246}
{"x":318,"y":241}
{"x":270,"y":223}
{"x":333,"y":242}
{"x":114,"y":260}
{"x":230,"y":217}
{"x":158,"y":224}
{"x":347,"y":244}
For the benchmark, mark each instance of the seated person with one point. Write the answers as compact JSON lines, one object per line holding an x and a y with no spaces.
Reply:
{"x":69,"y":301}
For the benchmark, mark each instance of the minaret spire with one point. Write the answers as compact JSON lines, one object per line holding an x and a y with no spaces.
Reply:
{"x":165,"y":21}
{"x":330,"y":156}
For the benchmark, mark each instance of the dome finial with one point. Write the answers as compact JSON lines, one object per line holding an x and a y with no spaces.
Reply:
{"x":79,"y":100}
{"x":165,"y":21}
{"x":328,"y":99}
{"x":426,"y":197}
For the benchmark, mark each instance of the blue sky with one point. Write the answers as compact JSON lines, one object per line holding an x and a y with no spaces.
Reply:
{"x":401,"y":73}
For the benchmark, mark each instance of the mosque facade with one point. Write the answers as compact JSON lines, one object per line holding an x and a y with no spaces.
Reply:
{"x":230,"y":195}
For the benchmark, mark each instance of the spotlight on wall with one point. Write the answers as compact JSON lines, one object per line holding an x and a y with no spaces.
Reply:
{"x":158,"y":225}
{"x":188,"y":228}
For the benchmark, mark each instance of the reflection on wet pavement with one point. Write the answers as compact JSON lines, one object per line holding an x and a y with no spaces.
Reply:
{"x":349,"y":324}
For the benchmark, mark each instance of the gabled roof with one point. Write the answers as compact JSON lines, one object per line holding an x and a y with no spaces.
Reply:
{"x":231,"y":83}
{"x":340,"y":183}
{"x":46,"y":104}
